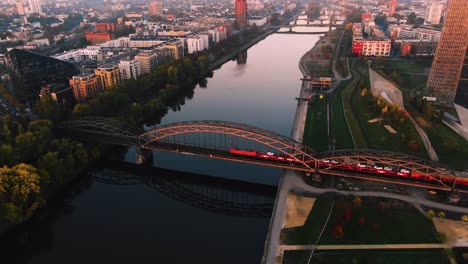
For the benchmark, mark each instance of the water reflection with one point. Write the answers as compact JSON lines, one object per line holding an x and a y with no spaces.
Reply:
{"x":241,"y":58}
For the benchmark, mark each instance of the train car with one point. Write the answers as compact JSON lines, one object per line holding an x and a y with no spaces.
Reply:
{"x":243,"y":152}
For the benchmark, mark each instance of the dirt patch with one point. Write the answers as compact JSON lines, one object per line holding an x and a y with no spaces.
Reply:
{"x":298,"y":209}
{"x":422,"y":122}
{"x":456,"y":231}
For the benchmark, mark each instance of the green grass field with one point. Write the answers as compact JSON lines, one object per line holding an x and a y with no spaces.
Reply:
{"x":315,"y":131}
{"x":383,"y":224}
{"x":451,"y":148}
{"x":349,"y":111}
{"x":423,"y":256}
{"x":341,"y":133}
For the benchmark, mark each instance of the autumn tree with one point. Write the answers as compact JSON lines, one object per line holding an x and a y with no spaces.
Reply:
{"x":431,"y":214}
{"x":20,"y":192}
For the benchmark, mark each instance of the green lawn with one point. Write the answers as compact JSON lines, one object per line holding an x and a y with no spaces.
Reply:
{"x":341,"y":133}
{"x":351,"y":115}
{"x":419,"y":256}
{"x":315,"y":131}
{"x":375,"y":134}
{"x":383,"y":224}
{"x":408,"y":66}
{"x":451,"y":148}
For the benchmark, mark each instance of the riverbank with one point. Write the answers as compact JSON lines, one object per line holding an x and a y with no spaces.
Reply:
{"x":273,"y":237}
{"x":215,"y":63}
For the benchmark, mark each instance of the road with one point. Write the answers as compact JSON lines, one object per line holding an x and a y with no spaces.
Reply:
{"x":353,"y":247}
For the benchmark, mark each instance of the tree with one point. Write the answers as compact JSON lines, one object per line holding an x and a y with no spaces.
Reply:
{"x":419,"y":21}
{"x":441,"y":215}
{"x":411,"y":18}
{"x":430,"y":214}
{"x":464,"y":218}
{"x":397,"y":16}
{"x":20,"y":192}
{"x":357,"y":201}
{"x":47,"y":108}
{"x":441,"y":237}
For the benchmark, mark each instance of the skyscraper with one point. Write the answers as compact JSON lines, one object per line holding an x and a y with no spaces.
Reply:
{"x":392,"y":7}
{"x":462,"y":92}
{"x":35,"y":6}
{"x":434,"y":13}
{"x":448,"y":61}
{"x":241,"y":14}
{"x":20,"y":8}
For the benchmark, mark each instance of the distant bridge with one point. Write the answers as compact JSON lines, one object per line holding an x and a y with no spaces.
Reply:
{"x":215,"y":139}
{"x":219,"y":195}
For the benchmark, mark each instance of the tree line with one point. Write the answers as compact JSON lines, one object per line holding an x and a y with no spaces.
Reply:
{"x":35,"y":162}
{"x":166,"y":85}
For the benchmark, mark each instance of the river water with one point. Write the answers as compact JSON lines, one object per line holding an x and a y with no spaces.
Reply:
{"x":113,"y":223}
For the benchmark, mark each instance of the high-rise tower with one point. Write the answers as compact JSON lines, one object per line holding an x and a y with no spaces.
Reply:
{"x":20,"y":8}
{"x":434,"y":13}
{"x":35,"y":6}
{"x":392,"y":7}
{"x":241,"y":14}
{"x":448,"y":61}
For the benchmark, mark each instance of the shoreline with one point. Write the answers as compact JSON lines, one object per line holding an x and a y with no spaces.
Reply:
{"x":216,"y":64}
{"x":284,"y":186}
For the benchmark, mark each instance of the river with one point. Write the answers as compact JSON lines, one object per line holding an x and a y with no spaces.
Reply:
{"x":112,"y":223}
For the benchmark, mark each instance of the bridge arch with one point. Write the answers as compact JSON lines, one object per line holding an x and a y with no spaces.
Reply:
{"x":177,"y":133}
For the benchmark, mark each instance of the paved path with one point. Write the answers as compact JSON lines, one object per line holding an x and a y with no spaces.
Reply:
{"x":353,"y":247}
{"x":297,"y":184}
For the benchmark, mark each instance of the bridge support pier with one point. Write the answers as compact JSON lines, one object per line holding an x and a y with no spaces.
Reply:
{"x":143,"y":155}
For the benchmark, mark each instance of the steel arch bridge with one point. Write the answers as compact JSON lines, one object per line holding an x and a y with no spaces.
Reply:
{"x":215,"y":139}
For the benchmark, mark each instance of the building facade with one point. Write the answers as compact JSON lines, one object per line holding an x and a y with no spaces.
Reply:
{"x":129,"y":69}
{"x":108,"y":76}
{"x":98,"y":37}
{"x":148,"y":60}
{"x":29,"y":70}
{"x":35,"y":6}
{"x":378,"y":48}
{"x":58,"y":92}
{"x":85,"y":86}
{"x":20,"y":8}
{"x":434,"y":13}
{"x":155,"y":8}
{"x":392,"y":7}
{"x":461,"y":97}
{"x":450,"y":54}
{"x":197,"y":43}
{"x":241,"y":14}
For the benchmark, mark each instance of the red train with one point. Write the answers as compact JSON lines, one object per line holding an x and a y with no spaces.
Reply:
{"x":376,"y":169}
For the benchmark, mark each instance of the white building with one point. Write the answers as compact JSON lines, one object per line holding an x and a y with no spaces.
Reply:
{"x":376,"y":48}
{"x":148,"y":60}
{"x":197,"y":43}
{"x":129,"y":69}
{"x":434,"y":13}
{"x":90,"y":53}
{"x":255,"y":5}
{"x":35,"y":6}
{"x":258,"y":21}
